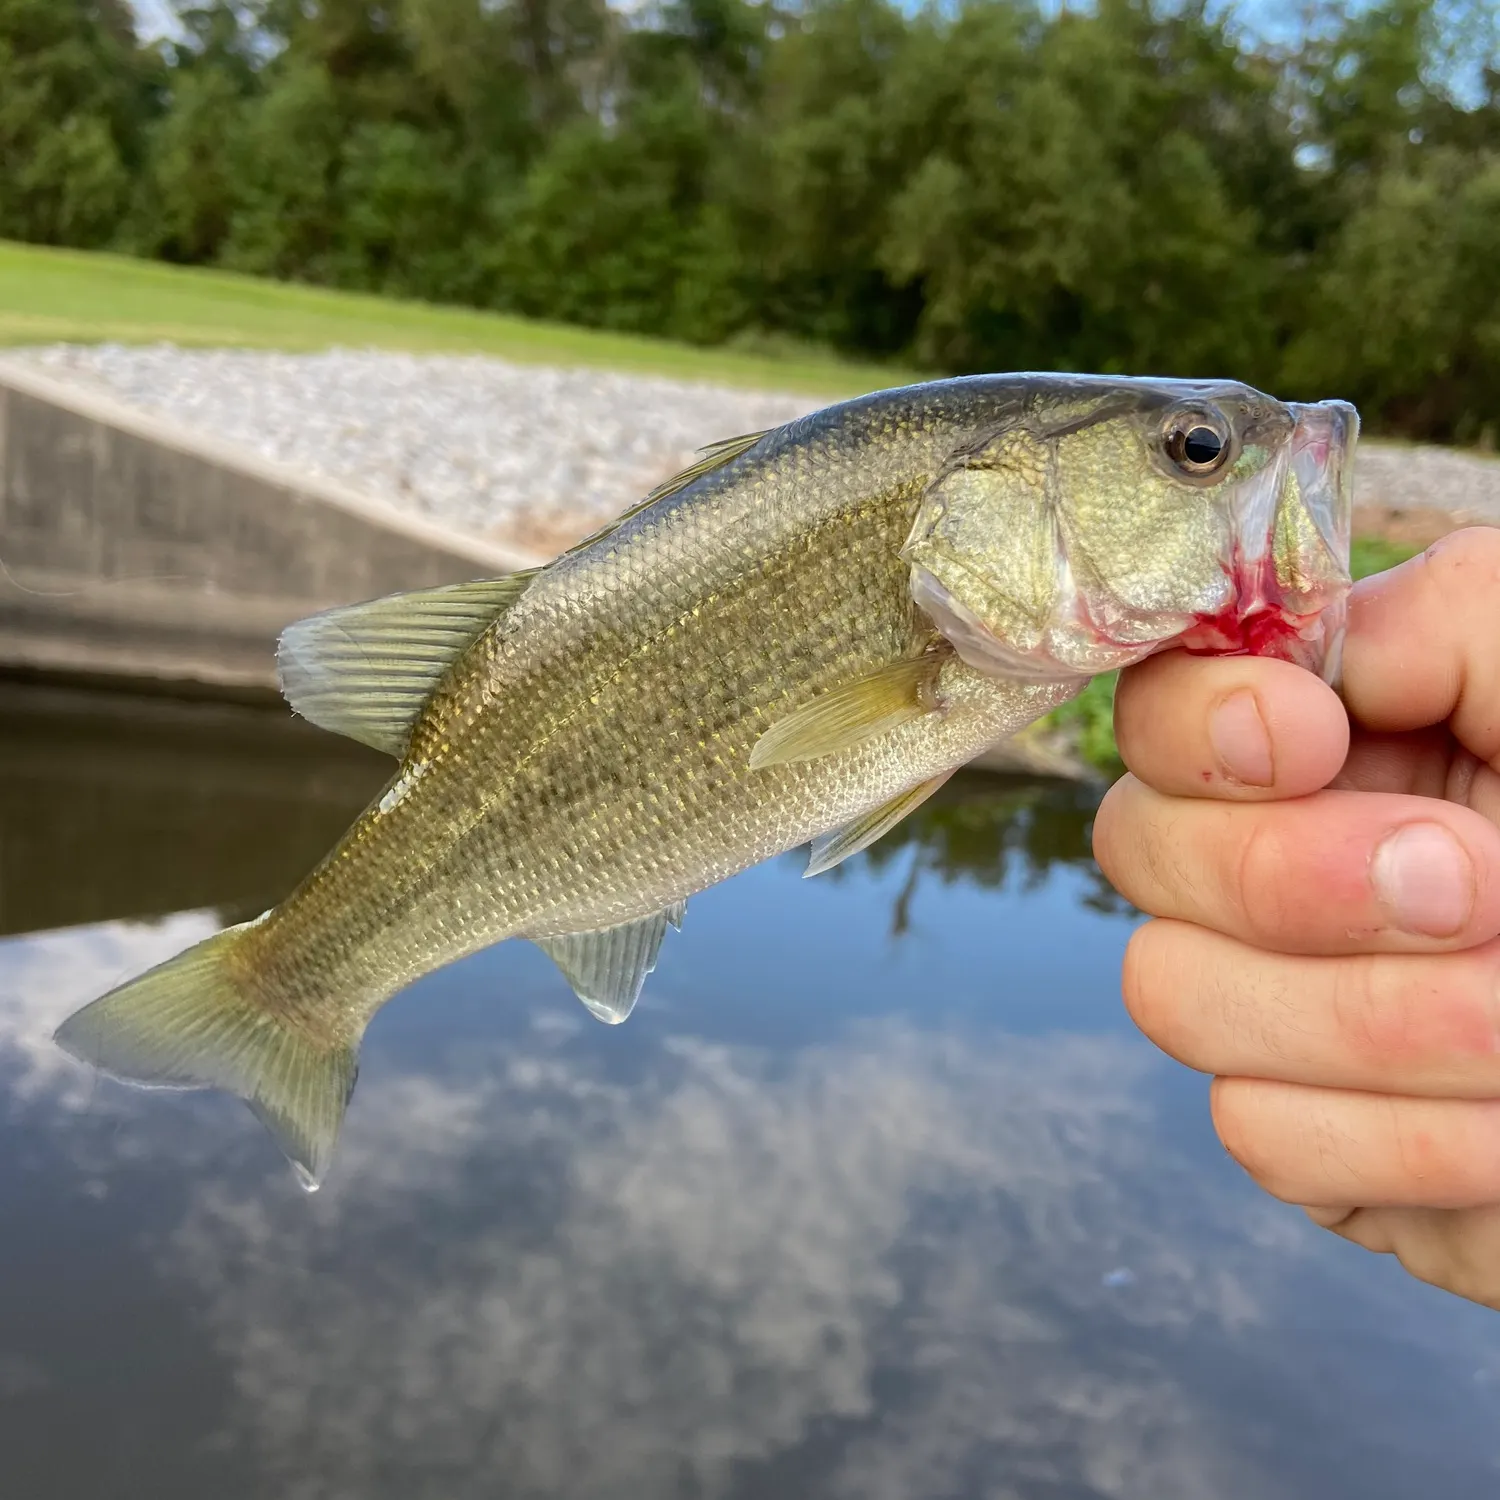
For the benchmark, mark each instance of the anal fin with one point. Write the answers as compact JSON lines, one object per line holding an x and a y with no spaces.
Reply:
{"x":833,"y":848}
{"x":607,"y":968}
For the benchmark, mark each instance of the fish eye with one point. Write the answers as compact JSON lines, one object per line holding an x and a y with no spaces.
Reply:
{"x":1197,"y":442}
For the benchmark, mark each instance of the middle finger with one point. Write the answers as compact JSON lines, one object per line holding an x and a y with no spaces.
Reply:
{"x":1336,"y":872}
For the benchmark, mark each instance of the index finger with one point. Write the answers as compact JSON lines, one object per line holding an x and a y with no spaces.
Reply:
{"x":1423,"y":645}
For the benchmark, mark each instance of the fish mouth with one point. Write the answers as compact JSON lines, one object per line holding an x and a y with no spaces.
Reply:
{"x":1289,"y":565}
{"x":1280,"y":589}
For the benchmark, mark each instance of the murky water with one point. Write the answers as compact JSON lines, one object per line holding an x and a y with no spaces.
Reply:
{"x":878,"y":1195}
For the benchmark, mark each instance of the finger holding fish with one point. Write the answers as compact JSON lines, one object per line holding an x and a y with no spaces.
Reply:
{"x":1404,"y":1024}
{"x":1235,"y":728}
{"x":1334,"y":872}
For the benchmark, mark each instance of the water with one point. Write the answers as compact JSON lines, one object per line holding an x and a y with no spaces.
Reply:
{"x":878,"y":1195}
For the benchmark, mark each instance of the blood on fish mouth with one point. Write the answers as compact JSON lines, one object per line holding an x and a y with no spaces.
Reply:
{"x":1267,"y":632}
{"x":1255,"y":622}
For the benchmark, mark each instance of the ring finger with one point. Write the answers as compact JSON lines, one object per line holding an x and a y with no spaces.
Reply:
{"x":1343,"y":1149}
{"x":1392,"y":1023}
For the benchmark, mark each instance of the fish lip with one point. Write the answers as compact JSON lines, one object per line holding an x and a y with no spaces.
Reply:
{"x":1324,"y":439}
{"x":1327,"y":434}
{"x":1291,"y":591}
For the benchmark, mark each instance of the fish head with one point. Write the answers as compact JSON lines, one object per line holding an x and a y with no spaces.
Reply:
{"x":1101,"y":520}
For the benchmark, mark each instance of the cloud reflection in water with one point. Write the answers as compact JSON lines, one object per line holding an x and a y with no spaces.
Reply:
{"x":881,"y":1261}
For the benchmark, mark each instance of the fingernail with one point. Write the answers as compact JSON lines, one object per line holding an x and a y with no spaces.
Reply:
{"x":1424,"y":877}
{"x":1238,"y":735}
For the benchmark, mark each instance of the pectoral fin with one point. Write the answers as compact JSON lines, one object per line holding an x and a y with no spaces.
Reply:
{"x":876,"y":703}
{"x":366,"y":670}
{"x":607,"y":968}
{"x":833,"y":848}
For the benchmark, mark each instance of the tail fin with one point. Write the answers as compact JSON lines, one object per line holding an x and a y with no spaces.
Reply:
{"x":188,"y":1024}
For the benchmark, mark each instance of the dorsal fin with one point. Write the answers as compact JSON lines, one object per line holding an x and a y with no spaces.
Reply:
{"x":365,"y":670}
{"x":714,"y":456}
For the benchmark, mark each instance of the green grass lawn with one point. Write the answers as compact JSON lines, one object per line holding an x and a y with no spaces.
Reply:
{"x":58,"y":296}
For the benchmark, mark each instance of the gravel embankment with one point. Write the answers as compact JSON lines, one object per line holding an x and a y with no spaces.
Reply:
{"x":526,"y":454}
{"x":1395,"y":484}
{"x":539,"y":456}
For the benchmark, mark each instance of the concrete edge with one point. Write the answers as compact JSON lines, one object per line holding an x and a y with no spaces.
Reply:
{"x":95,"y":406}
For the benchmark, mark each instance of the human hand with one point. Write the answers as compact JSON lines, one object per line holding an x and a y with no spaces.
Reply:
{"x":1326,"y":888}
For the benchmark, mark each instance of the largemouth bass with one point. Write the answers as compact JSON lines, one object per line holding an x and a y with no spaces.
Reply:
{"x":795,"y":642}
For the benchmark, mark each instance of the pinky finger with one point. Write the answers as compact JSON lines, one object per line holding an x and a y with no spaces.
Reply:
{"x":1455,"y":1249}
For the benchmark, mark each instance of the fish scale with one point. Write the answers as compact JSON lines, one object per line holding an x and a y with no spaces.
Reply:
{"x":795,"y":642}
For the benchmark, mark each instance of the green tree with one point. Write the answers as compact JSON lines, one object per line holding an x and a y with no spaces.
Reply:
{"x":1086,"y":207}
{"x":286,"y":218}
{"x":1135,"y":185}
{"x":1407,"y":316}
{"x":76,"y":94}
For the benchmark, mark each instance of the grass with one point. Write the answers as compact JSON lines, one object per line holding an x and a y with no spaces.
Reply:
{"x":71,"y":296}
{"x":1089,"y":719}
{"x":1373,"y":554}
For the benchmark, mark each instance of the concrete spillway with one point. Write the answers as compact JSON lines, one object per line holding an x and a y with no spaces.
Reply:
{"x":131,"y":548}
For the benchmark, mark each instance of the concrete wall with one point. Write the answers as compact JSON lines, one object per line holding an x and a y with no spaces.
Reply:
{"x":132,"y":548}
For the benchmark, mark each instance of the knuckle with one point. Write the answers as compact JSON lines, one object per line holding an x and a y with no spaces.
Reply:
{"x":1470,"y":555}
{"x":1447,"y":1157}
{"x":1239,"y":1108}
{"x":1255,"y":882}
{"x":1371,"y":1017}
{"x":1401,"y":1018}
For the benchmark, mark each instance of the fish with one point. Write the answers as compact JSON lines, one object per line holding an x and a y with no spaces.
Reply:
{"x":796,"y":641}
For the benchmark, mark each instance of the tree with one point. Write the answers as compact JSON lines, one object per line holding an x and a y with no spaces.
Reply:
{"x":1406,"y":321}
{"x":76,"y":94}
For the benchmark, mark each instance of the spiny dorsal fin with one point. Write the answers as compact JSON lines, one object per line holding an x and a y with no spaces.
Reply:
{"x":608,"y":968}
{"x":365,"y":670}
{"x":714,"y":456}
{"x":833,"y":848}
{"x":879,"y":701}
